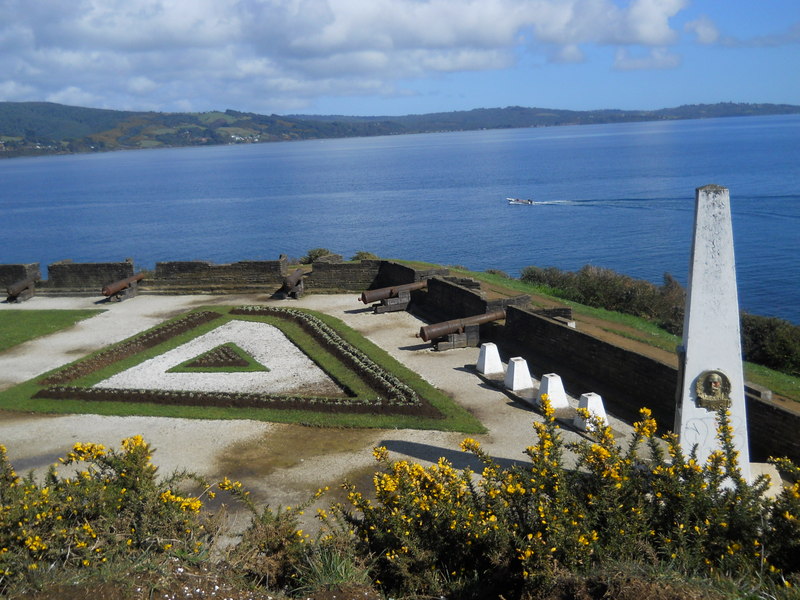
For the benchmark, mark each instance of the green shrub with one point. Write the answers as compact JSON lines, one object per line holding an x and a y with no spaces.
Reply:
{"x":767,"y":341}
{"x":363,"y":255}
{"x":499,"y":273}
{"x":314,"y":254}
{"x":771,"y":342}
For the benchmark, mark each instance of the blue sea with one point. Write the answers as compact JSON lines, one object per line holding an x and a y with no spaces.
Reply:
{"x":619,"y":196}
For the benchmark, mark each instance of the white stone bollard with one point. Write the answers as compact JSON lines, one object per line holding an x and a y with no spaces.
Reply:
{"x":489,"y":360}
{"x":594,"y":404}
{"x":517,"y":376}
{"x":552,"y":386}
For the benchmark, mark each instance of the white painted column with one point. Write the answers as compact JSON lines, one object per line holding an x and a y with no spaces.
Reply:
{"x":711,"y":354}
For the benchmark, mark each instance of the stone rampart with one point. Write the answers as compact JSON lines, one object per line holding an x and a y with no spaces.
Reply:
{"x":350,"y":276}
{"x":205,"y":277}
{"x":453,"y":300}
{"x":456,"y":298}
{"x":626,"y":380}
{"x":393,"y":273}
{"x":772,"y":430}
{"x":11,"y":274}
{"x":67,"y":277}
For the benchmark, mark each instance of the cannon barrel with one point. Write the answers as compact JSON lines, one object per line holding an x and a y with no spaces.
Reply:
{"x":118,"y":286}
{"x":16,"y":288}
{"x":292,"y":280}
{"x":369,"y":296}
{"x":437,"y":330}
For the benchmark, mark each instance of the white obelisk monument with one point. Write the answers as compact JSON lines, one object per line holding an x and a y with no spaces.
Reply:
{"x":711,"y":355}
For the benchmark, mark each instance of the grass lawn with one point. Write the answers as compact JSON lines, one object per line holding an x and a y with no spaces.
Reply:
{"x":17,"y":326}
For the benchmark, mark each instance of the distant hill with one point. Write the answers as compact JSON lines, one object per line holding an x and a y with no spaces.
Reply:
{"x":34,"y":128}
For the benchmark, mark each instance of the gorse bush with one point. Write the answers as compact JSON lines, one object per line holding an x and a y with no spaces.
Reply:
{"x":113,"y":509}
{"x":516,"y":531}
{"x":425,"y":531}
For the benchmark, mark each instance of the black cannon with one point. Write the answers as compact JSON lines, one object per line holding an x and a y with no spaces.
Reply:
{"x":22,"y":289}
{"x":458,"y":333}
{"x":122,"y":289}
{"x":392,"y":298}
{"x":293,"y":286}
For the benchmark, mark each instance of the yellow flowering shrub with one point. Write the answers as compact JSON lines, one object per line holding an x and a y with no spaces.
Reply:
{"x":433,"y":530}
{"x":783,"y":536}
{"x":436,"y":530}
{"x":112,"y":507}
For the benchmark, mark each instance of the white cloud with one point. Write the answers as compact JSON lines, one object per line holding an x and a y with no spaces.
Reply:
{"x":569,"y":53}
{"x":179,"y":53}
{"x":74,"y":96}
{"x":13,"y":90}
{"x":141,"y":85}
{"x":648,"y":20}
{"x":705,"y":30}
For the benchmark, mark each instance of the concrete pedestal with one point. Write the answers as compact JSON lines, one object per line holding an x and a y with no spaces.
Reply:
{"x":489,"y":360}
{"x":594,"y":404}
{"x":517,"y":376}
{"x":554,"y":388}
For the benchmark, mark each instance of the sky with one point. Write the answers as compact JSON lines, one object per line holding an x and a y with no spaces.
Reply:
{"x":397,"y":57}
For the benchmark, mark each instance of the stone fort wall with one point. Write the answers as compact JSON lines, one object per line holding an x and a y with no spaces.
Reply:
{"x":11,"y":274}
{"x":192,"y":277}
{"x":70,"y":277}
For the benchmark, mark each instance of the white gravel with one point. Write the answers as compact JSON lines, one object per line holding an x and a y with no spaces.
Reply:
{"x":289,"y":369}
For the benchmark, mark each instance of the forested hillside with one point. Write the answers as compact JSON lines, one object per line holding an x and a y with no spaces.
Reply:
{"x":32,"y":128}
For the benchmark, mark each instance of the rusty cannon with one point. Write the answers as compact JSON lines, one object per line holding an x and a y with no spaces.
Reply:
{"x":123,"y":289}
{"x":458,"y":333}
{"x":392,"y":298}
{"x":21,"y":290}
{"x":293,"y":285}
